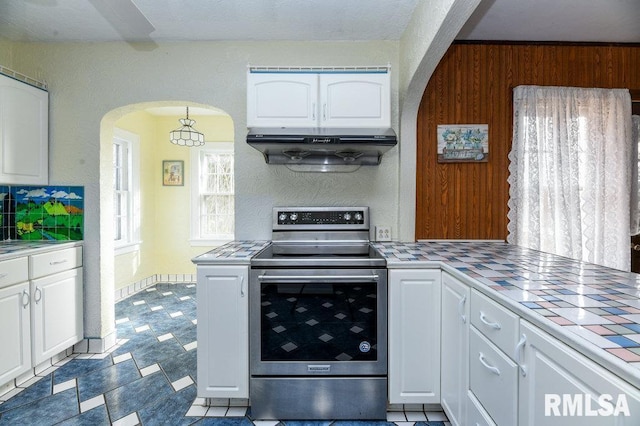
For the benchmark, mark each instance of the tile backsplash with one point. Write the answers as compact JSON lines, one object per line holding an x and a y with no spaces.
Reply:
{"x":42,"y":212}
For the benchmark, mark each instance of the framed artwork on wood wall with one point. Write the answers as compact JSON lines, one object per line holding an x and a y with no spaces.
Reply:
{"x":463,"y":143}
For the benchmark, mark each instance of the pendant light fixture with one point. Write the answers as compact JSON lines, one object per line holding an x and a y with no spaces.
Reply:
{"x":186,"y":135}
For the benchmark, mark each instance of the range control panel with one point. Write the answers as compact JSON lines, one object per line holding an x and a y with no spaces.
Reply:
{"x":320,"y":216}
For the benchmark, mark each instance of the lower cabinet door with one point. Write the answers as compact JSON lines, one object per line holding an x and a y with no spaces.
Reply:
{"x":560,"y":387}
{"x":15,"y":333}
{"x":454,"y":367}
{"x":493,"y":379}
{"x":56,"y":313}
{"x":414,"y":336}
{"x":223,"y":331}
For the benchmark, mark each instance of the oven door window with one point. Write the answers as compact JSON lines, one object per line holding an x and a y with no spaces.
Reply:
{"x":318,"y":321}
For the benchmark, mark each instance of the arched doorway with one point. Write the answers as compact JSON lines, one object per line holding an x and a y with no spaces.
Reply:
{"x":161,"y":248}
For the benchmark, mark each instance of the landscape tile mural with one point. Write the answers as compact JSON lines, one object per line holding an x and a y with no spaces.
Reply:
{"x":42,"y":212}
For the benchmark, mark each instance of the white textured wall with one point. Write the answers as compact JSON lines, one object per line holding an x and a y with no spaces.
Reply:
{"x":90,"y":83}
{"x":88,"y":80}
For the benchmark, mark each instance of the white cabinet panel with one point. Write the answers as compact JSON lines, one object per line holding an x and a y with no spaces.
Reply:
{"x":15,"y":333}
{"x":414,"y":336}
{"x":496,"y":322}
{"x":14,"y":271}
{"x":223,"y":331}
{"x":493,"y":379}
{"x":282,"y":100}
{"x":56,"y":312}
{"x":567,"y":379}
{"x":55,"y":261}
{"x":455,"y":348}
{"x":476,"y":416}
{"x":308,"y":99}
{"x":353,"y":100}
{"x":24,"y":133}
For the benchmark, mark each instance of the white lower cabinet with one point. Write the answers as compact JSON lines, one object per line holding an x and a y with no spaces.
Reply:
{"x":15,"y":331}
{"x":493,"y":379}
{"x":476,"y":414}
{"x":414,"y":336}
{"x":559,"y":386}
{"x":454,"y":365}
{"x":56,"y":313}
{"x":223,"y":331}
{"x":41,"y":309}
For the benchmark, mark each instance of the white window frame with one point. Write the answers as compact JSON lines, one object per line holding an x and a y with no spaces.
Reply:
{"x":131,"y":142}
{"x":196,"y":155}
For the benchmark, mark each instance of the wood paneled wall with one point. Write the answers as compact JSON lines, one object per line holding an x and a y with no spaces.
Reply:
{"x":473,"y":85}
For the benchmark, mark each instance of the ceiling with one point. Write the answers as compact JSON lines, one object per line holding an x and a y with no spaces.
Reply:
{"x":153,"y":21}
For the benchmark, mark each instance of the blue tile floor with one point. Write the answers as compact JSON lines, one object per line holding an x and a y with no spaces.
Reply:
{"x":148,"y":378}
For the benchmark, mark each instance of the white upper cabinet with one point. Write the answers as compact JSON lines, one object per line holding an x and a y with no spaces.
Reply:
{"x":24,"y":133}
{"x":309,"y":99}
{"x":355,"y":100}
{"x":282,"y":100}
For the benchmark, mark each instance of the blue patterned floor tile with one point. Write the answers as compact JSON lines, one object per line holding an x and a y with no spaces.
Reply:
{"x":170,"y":410}
{"x":79,"y":367}
{"x":95,"y":416}
{"x":159,"y":352}
{"x":136,"y":395}
{"x":180,"y":366}
{"x":107,"y":379}
{"x":41,"y":389}
{"x":45,"y":411}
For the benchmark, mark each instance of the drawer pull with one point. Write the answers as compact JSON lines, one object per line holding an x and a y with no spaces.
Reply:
{"x":494,"y":325}
{"x":37,"y":295}
{"x":25,"y":299}
{"x":519,"y":351}
{"x":461,"y":308}
{"x":58,"y":262}
{"x":491,"y":368}
{"x":242,"y":286}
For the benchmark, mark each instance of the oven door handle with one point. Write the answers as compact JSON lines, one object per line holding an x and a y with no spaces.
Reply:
{"x":316,"y":278}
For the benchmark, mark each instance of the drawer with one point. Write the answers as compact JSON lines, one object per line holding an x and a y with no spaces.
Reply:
{"x":55,"y":261}
{"x":493,"y":379}
{"x":14,"y":271}
{"x":496,"y":322}
{"x":476,"y":416}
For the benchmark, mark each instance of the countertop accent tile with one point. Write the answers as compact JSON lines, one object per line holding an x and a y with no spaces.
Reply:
{"x":592,"y":308}
{"x":18,"y":248}
{"x":232,"y":252}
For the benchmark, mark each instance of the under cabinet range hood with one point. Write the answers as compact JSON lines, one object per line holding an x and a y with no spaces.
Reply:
{"x":322,"y":146}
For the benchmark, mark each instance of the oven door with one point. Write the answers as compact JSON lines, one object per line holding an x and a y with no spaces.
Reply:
{"x":318,"y":322}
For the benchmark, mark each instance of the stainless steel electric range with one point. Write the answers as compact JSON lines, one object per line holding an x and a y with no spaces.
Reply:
{"x":318,"y":318}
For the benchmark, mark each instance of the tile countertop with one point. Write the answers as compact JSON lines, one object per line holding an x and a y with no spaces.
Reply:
{"x":237,"y":252}
{"x":594,"y":309}
{"x":18,"y":248}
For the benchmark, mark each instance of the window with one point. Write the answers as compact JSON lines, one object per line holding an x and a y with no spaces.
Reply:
{"x":125,"y":190}
{"x":212,"y":193}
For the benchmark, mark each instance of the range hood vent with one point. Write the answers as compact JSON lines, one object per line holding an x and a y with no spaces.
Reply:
{"x":334,"y":147}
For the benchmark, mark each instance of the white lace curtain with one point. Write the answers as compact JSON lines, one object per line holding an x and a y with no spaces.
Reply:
{"x":571,"y":173}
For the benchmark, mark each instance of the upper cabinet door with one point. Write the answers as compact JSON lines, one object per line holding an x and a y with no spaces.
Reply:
{"x":355,"y":100}
{"x":24,"y":133}
{"x":282,"y":100}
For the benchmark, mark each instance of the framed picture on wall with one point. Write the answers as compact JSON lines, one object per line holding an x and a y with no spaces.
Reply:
{"x":172,"y":172}
{"x":463,"y":143}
